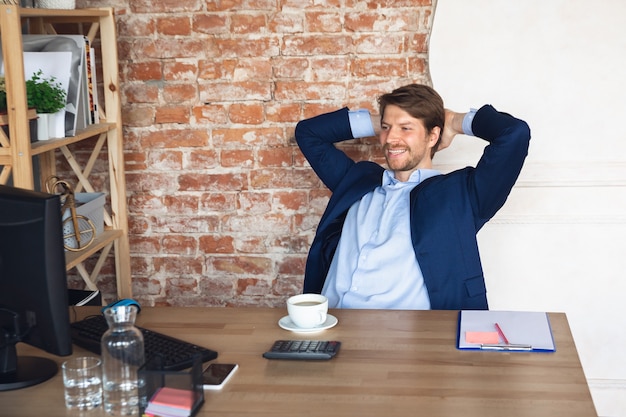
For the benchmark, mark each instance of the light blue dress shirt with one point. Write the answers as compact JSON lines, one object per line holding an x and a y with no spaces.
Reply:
{"x":374,"y":265}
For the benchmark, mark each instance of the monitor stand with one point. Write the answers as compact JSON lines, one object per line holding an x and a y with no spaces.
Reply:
{"x":30,"y":370}
{"x":22,"y":371}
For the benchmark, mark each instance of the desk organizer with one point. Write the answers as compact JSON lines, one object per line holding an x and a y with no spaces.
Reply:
{"x":90,"y":205}
{"x":155,"y":377}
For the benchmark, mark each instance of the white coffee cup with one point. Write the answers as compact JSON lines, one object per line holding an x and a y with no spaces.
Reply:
{"x":307,"y":310}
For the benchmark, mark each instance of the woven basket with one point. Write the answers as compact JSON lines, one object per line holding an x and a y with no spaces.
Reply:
{"x":56,"y":4}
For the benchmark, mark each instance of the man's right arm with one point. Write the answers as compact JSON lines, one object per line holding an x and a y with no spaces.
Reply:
{"x":316,"y":138}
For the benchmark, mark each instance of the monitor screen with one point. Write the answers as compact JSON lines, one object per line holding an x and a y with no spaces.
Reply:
{"x":33,"y":286}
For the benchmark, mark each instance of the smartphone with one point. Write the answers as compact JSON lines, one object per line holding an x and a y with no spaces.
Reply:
{"x":216,"y":375}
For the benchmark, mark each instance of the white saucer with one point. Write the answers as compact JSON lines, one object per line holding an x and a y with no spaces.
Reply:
{"x":287,"y":324}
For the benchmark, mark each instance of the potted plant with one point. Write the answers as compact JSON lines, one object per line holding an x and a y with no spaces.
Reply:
{"x":4,"y":118}
{"x":3,"y":95}
{"x":48,"y":98}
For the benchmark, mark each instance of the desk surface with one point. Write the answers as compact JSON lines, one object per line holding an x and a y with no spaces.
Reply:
{"x":392,"y":363}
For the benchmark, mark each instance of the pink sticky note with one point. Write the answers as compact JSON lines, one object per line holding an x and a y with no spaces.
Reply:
{"x":482,"y":337}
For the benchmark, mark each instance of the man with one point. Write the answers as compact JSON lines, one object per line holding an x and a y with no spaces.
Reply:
{"x":405,"y":237}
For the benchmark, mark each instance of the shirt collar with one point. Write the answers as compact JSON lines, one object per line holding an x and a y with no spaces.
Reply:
{"x":416,"y":177}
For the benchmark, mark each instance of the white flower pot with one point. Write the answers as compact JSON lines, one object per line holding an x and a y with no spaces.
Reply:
{"x":42,"y":126}
{"x":51,"y":125}
{"x":55,"y":4}
{"x":56,"y":124}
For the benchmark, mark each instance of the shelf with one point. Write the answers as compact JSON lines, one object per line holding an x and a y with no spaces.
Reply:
{"x":103,"y":239}
{"x":51,"y":144}
{"x":66,"y":15}
{"x":17,"y":152}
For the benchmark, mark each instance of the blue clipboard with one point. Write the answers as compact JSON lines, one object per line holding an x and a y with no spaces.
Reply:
{"x":505,"y":331}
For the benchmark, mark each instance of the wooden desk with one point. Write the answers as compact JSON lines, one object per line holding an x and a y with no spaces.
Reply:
{"x":392,"y":363}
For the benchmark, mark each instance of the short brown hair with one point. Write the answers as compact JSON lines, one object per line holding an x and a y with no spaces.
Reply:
{"x":421,"y":102}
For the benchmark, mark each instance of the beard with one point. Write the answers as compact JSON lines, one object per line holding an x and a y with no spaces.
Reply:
{"x":406,"y":161}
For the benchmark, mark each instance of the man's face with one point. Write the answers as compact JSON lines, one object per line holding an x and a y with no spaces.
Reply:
{"x":406,"y":143}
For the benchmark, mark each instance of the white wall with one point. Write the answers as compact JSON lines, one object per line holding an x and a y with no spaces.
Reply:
{"x":559,"y":244}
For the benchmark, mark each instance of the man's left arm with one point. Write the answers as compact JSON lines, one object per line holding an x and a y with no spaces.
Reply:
{"x":502,"y":160}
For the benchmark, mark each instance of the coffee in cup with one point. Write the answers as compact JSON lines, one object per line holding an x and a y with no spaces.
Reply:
{"x":307,"y":310}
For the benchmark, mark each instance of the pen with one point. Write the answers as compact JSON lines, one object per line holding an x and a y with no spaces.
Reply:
{"x":501,"y":333}
{"x":506,"y":347}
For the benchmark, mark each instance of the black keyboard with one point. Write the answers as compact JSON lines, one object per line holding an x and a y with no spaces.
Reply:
{"x":303,"y":349}
{"x":175,"y":354}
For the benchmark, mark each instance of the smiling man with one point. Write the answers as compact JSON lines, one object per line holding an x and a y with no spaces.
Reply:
{"x":405,"y":237}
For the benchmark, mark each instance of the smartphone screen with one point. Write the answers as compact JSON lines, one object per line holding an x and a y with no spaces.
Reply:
{"x":217,"y":374}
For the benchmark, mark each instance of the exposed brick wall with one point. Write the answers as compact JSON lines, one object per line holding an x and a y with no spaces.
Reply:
{"x":223,"y":206}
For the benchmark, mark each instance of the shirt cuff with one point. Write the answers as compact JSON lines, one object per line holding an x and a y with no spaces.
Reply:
{"x":361,"y":123}
{"x":467,"y":122}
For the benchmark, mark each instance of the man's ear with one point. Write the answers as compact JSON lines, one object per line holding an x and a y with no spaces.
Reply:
{"x":434,"y":140}
{"x":434,"y":136}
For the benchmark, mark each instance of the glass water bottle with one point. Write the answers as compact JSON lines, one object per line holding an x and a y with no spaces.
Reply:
{"x":122,"y":355}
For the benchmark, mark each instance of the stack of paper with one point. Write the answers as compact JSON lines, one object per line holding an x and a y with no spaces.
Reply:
{"x":171,"y":402}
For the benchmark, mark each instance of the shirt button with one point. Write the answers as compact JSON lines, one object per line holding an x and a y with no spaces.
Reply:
{"x":355,"y":288}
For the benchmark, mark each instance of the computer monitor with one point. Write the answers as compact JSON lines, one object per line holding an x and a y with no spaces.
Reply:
{"x":33,"y":286}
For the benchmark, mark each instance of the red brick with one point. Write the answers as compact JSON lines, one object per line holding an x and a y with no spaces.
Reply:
{"x":168,"y":48}
{"x":246,"y":47}
{"x":317,"y":45}
{"x":172,"y":115}
{"x":165,"y":6}
{"x":235,"y":91}
{"x":298,"y":90}
{"x":211,"y":113}
{"x":181,"y":286}
{"x":252,"y":286}
{"x":136,"y":25}
{"x":290,"y":200}
{"x":174,"y":26}
{"x":198,"y":223}
{"x":247,"y":23}
{"x":180,"y":71}
{"x":292,"y":265}
{"x":181,"y":204}
{"x":252,"y":244}
{"x":200,"y":159}
{"x":218,"y":201}
{"x":268,"y":223}
{"x":212,"y":182}
{"x":283,"y":178}
{"x":276,"y":157}
{"x":176,"y":93}
{"x":242,"y":137}
{"x":237,"y":158}
{"x":179,"y":245}
{"x":250,"y":114}
{"x":142,"y":244}
{"x":140,"y":93}
{"x":178,"y":265}
{"x":247,"y":265}
{"x":322,"y":21}
{"x":216,"y":244}
{"x":255,"y":202}
{"x":210,"y":23}
{"x":283,"y":112}
{"x":145,"y":71}
{"x":286,"y":22}
{"x":165,"y":161}
{"x":171,"y":138}
{"x":383,"y":67}
{"x":138,"y":116}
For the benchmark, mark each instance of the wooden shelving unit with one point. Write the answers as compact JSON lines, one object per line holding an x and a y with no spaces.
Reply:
{"x":16,"y":150}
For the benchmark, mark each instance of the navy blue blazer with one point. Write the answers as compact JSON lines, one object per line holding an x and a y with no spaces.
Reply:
{"x":447,"y":211}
